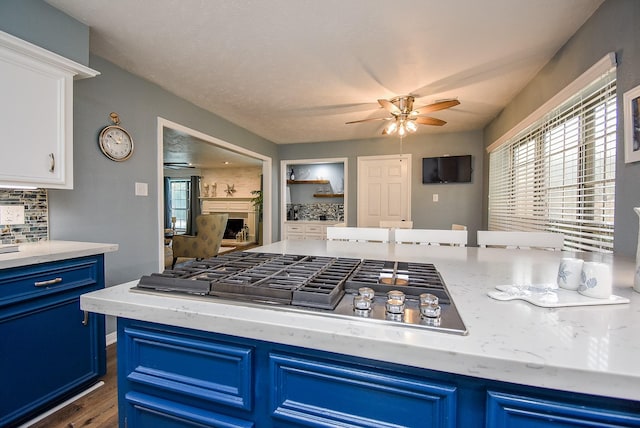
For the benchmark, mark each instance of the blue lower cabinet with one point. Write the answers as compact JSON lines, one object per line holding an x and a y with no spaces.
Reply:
{"x":318,"y":393}
{"x":49,"y":348}
{"x":143,"y":411}
{"x":175,"y":377}
{"x":514,"y":411}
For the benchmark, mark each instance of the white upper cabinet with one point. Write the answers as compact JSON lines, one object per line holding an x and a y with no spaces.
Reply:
{"x":36,"y":115}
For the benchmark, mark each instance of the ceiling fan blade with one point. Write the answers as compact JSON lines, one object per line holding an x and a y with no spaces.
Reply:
{"x":430,"y":121}
{"x":368,"y":120}
{"x":177,"y":165}
{"x":390,"y":107}
{"x":436,"y":106}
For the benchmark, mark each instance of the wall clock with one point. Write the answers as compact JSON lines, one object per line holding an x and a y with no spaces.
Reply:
{"x":115,"y":142}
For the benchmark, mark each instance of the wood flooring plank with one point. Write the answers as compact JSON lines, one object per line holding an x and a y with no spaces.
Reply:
{"x":98,"y":409}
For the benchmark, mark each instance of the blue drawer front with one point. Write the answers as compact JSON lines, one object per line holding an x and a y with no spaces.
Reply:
{"x":144,"y":411}
{"x":20,"y":284}
{"x":506,"y":410}
{"x":321,"y":394}
{"x":190,"y":367}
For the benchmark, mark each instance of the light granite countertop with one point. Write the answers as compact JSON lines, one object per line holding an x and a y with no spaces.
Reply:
{"x":48,"y":251}
{"x":587,"y":349}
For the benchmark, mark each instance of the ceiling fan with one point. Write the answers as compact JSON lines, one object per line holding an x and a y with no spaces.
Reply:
{"x":177,"y":165}
{"x":404,"y":117}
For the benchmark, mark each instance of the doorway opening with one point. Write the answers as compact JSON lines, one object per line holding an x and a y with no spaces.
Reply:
{"x":209,"y":142}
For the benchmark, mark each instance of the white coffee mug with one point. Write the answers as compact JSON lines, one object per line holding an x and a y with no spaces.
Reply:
{"x":569,"y":273}
{"x":595,"y":280}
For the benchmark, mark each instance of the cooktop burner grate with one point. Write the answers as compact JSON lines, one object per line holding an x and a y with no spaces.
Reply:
{"x":312,"y":283}
{"x":288,"y":279}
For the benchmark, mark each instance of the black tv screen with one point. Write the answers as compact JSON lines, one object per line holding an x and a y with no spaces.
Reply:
{"x":446,"y":169}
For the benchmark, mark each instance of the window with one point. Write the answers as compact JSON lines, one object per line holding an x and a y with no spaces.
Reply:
{"x":179,"y":194}
{"x":558,"y":175}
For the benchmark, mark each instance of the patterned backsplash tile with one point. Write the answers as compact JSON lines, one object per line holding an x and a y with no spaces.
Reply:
{"x":312,"y":212}
{"x":36,"y":216}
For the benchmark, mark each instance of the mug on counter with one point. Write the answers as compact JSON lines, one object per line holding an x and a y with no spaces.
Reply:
{"x":569,"y":273}
{"x":595,"y":280}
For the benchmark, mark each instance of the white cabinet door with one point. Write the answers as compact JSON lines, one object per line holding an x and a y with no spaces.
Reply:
{"x":36,"y":115}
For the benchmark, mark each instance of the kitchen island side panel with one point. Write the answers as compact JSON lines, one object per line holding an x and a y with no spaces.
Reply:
{"x":294,"y":386}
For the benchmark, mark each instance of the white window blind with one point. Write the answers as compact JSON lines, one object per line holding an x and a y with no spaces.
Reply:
{"x":558,"y":175}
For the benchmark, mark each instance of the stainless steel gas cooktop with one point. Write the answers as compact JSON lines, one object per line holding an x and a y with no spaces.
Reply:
{"x":405,"y":293}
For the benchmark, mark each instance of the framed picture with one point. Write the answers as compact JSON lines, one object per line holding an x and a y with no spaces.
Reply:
{"x":631,"y":100}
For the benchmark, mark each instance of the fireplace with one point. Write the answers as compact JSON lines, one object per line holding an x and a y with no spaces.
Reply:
{"x":234,"y":225}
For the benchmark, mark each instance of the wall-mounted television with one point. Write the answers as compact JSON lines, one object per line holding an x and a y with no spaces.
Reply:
{"x":446,"y":169}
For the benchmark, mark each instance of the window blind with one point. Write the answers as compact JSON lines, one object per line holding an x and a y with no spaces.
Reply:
{"x":558,"y":175}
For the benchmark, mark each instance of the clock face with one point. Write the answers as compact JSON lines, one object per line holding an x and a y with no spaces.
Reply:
{"x":116,"y":143}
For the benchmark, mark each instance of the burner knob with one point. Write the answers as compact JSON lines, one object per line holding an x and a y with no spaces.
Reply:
{"x":367,"y":292}
{"x":396,"y":295}
{"x":361,"y":303}
{"x":428,"y":299}
{"x":430,"y":311}
{"x":395,"y":306}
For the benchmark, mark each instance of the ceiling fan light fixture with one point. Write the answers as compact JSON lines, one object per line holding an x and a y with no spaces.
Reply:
{"x":401,"y":130}
{"x":392,"y":127}
{"x":411,"y":126}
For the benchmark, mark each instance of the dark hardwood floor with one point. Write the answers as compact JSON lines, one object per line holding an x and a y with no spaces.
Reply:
{"x":98,"y":409}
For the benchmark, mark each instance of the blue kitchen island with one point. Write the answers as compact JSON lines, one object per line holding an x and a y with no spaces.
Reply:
{"x":203,"y":361}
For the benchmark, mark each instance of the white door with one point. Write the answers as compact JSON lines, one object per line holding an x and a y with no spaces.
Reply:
{"x":384,"y":189}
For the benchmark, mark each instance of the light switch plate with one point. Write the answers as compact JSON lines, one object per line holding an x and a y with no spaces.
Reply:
{"x":435,"y":197}
{"x":142,"y":189}
{"x":11,"y":214}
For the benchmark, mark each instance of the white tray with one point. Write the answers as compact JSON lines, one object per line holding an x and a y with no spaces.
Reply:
{"x":545,"y":296}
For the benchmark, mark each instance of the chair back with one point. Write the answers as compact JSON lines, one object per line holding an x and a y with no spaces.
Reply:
{"x":206,"y":243}
{"x":358,"y":234}
{"x":456,"y":238}
{"x":458,"y":227}
{"x":402,"y":224}
{"x":520,"y":240}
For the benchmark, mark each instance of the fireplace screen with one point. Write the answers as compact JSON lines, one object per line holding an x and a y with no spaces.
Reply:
{"x":234,"y":225}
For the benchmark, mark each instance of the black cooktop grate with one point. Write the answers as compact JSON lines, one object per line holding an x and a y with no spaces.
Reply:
{"x":309,"y":281}
{"x":288,"y":279}
{"x":412,"y":279}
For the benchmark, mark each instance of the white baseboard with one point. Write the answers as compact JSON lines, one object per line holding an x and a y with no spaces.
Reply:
{"x":112,"y":338}
{"x":61,"y":405}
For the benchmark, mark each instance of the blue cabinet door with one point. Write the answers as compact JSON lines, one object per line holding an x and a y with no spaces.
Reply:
{"x":515,"y":411}
{"x":48,"y":349}
{"x":319,"y":393}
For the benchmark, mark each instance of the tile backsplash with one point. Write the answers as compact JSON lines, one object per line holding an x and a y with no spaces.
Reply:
{"x":36,"y":216}
{"x":312,"y":212}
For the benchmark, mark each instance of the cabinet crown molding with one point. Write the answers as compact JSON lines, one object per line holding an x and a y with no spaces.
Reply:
{"x":23,"y":47}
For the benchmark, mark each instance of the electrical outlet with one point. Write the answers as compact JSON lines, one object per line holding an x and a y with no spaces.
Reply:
{"x":11,"y":214}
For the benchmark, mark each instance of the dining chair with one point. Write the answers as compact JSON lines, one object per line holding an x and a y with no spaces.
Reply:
{"x":435,"y":237}
{"x":206,"y":243}
{"x":520,"y":240}
{"x":358,"y":234}
{"x":398,"y":224}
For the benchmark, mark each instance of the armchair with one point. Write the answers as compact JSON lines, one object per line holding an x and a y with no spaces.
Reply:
{"x":207,"y":241}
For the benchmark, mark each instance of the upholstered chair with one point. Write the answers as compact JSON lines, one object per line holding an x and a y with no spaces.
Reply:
{"x":207,"y":241}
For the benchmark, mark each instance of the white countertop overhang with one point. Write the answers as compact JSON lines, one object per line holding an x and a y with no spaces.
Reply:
{"x":589,"y":349}
{"x":49,"y":251}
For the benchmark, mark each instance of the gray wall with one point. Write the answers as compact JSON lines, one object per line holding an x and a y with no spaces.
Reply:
{"x":37,"y":22}
{"x":458,"y":203}
{"x":102,"y":206}
{"x":614,"y":27}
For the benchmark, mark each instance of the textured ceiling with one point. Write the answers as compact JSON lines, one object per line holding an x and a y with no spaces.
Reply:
{"x":296,"y":70}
